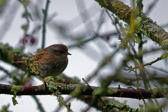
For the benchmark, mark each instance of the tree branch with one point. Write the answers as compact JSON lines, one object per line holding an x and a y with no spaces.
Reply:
{"x":68,"y":89}
{"x":148,"y":26}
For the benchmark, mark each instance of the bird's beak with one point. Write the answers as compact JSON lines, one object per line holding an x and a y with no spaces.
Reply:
{"x":69,"y":53}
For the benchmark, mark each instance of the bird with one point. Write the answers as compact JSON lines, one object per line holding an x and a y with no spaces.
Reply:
{"x":50,"y":61}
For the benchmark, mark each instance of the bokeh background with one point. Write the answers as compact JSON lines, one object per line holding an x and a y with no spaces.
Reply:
{"x":69,"y":22}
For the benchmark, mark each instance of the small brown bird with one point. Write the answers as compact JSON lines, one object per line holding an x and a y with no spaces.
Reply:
{"x":50,"y":61}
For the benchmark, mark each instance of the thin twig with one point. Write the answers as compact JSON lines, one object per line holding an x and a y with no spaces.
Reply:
{"x":91,"y":102}
{"x":85,"y":16}
{"x":92,"y":90}
{"x":90,"y":39}
{"x":103,"y":63}
{"x":160,"y":69}
{"x":45,"y":12}
{"x":27,"y":16}
{"x":152,"y":62}
{"x":114,"y":23}
{"x":151,"y":6}
{"x":39,"y":105}
{"x":9,"y":17}
{"x":6,"y":73}
{"x":38,"y":27}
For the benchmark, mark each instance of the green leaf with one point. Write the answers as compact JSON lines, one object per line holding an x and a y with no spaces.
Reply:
{"x":5,"y":108}
{"x":25,"y":2}
{"x":26,"y":14}
{"x":2,"y":3}
{"x":165,"y":55}
{"x":24,"y":27}
{"x":14,"y":100}
{"x":15,"y":90}
{"x":18,"y":51}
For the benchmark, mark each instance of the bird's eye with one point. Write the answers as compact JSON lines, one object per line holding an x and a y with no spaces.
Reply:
{"x":61,"y":52}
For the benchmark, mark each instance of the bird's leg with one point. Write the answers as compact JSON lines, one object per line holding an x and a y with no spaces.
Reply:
{"x":45,"y":85}
{"x":49,"y":82}
{"x":44,"y":82}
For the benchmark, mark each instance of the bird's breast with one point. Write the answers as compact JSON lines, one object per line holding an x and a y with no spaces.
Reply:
{"x":52,"y":66}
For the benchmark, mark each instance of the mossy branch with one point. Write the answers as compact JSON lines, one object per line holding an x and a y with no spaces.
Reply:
{"x":148,"y":27}
{"x":67,"y":89}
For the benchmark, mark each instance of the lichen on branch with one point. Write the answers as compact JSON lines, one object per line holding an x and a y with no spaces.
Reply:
{"x":67,"y":89}
{"x":148,"y":27}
